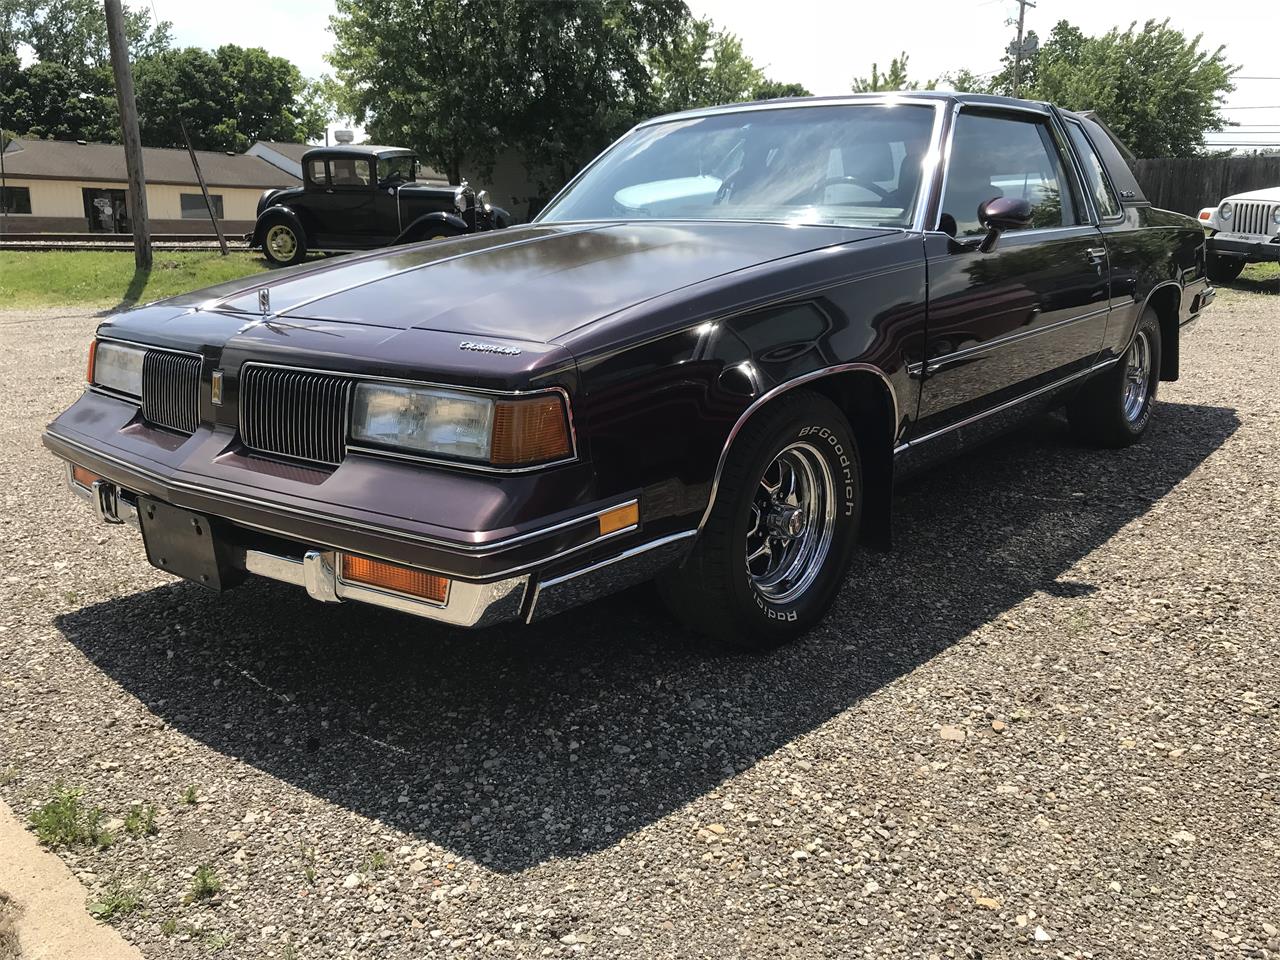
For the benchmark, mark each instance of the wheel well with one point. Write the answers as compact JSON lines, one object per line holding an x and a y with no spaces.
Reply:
{"x":1166,"y":302}
{"x":868,"y":405}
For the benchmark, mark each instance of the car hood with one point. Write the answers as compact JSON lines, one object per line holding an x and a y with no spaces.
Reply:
{"x":1267,"y":195}
{"x":532,"y":283}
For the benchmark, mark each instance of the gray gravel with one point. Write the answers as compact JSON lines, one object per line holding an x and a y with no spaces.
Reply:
{"x":1048,"y":724}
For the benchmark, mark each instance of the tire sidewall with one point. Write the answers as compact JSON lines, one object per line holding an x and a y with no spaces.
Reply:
{"x":830,"y":435}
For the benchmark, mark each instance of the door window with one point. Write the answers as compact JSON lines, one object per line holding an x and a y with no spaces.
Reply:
{"x":1001,"y":156}
{"x":349,"y":172}
{"x":318,"y":173}
{"x":1094,"y":174}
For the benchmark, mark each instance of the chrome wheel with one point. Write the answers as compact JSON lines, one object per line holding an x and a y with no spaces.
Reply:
{"x":282,"y":242}
{"x":793,"y":518}
{"x":1137,"y":377}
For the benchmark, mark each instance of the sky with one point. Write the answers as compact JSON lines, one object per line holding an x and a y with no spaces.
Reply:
{"x":823,"y":44}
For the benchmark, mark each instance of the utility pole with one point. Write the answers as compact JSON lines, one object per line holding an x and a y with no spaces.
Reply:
{"x":1017,"y":53}
{"x":129,"y":130}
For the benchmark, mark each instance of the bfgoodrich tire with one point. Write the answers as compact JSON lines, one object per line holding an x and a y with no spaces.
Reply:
{"x":1114,"y":408}
{"x":776,"y":545}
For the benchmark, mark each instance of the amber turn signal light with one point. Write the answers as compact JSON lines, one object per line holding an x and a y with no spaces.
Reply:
{"x":93,"y":355}
{"x":530,"y":430}
{"x":86,"y":478}
{"x":392,"y":576}
{"x":619,"y":518}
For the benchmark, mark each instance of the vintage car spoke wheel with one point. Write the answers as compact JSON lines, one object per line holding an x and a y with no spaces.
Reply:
{"x":282,"y":243}
{"x":1113,"y":408}
{"x":793,"y":517}
{"x":774,"y":547}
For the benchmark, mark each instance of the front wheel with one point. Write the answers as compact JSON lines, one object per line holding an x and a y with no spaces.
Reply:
{"x":283,"y":243}
{"x":1114,"y":408}
{"x":774,"y":550}
{"x":1223,"y":269}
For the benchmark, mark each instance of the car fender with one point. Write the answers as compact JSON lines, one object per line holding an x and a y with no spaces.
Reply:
{"x":274,"y":212}
{"x":417,"y":230}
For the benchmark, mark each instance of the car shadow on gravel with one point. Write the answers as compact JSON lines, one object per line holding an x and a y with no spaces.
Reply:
{"x":513,"y":746}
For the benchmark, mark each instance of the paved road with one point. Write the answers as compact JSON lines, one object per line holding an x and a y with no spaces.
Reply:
{"x":1048,"y":724}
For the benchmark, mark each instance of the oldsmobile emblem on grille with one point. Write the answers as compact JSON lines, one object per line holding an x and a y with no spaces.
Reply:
{"x":489,"y":348}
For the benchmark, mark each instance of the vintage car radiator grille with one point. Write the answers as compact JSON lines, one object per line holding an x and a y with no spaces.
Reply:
{"x":294,"y":413}
{"x":1252,"y":218}
{"x":171,"y":390}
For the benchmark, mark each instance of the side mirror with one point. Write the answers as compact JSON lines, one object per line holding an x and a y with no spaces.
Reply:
{"x":1000,"y":214}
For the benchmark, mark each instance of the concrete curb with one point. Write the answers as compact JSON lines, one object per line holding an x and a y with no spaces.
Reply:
{"x":52,"y":922}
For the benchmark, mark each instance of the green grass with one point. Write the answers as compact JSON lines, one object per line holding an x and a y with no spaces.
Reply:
{"x":204,"y":884}
{"x":190,"y":797}
{"x":91,"y":278}
{"x":140,"y":821}
{"x":64,"y":821}
{"x":1261,"y":271}
{"x":118,"y":900}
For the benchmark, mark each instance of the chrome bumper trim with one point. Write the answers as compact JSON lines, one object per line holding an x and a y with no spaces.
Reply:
{"x":469,"y":604}
{"x":608,"y":576}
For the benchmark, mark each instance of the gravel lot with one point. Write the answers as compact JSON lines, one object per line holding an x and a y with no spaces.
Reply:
{"x":1048,"y":724}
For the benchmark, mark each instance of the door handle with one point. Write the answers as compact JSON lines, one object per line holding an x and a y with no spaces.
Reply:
{"x":1096,"y":254}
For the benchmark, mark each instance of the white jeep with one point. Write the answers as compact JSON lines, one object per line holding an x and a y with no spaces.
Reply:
{"x":1243,"y":228}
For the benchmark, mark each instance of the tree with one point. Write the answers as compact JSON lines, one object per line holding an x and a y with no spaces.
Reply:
{"x":227,"y":99}
{"x":461,"y":81}
{"x":74,"y":32}
{"x":1155,"y":87}
{"x":51,"y":100}
{"x":894,"y":79}
{"x":963,"y":81}
{"x":773,"y":90}
{"x":699,"y":67}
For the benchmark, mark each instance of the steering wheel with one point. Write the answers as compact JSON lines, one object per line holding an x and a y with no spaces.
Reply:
{"x":879,"y":191}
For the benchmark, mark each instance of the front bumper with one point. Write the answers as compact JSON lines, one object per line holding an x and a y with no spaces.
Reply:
{"x":530,"y":596}
{"x":1251,"y":251}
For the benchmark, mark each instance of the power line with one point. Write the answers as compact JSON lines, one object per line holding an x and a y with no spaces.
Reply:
{"x":1255,"y":78}
{"x":1265,"y":106}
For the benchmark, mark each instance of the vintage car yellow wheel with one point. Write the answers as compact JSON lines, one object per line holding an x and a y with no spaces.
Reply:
{"x":282,"y":244}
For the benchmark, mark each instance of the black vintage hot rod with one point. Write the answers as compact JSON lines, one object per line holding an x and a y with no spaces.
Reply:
{"x":706,"y":361}
{"x":360,"y":197}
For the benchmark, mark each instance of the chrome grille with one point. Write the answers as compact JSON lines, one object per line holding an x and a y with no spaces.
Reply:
{"x":1251,"y":217}
{"x":294,"y":413}
{"x":171,"y":390}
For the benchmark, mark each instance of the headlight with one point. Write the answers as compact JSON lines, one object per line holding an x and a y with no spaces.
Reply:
{"x":460,"y":201}
{"x":117,"y":367}
{"x":1275,"y":216}
{"x":1224,"y":211}
{"x":455,"y":425}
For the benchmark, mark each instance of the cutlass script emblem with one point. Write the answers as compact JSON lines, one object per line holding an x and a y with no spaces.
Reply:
{"x":489,"y":348}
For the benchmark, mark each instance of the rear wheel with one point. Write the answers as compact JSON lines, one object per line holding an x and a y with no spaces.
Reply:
{"x":283,"y":243}
{"x":1223,"y":269}
{"x":774,"y":550}
{"x":1114,"y":408}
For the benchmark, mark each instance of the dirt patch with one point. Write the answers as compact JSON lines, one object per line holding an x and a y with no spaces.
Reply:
{"x":8,"y":935}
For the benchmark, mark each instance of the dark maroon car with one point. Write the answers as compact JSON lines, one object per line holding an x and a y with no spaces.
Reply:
{"x":705,"y":362}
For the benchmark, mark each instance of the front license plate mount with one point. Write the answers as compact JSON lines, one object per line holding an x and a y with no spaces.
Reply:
{"x":184,"y":543}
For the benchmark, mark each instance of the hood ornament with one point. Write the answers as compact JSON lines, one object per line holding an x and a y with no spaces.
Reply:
{"x":264,"y":300}
{"x":489,"y":348}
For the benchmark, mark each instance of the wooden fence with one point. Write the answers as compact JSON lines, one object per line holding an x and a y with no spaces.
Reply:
{"x":1187,"y":184}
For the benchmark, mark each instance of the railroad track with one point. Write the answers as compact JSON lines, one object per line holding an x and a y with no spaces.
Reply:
{"x":161,"y":242}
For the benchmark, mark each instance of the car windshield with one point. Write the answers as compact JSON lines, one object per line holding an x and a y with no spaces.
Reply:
{"x":395,"y":169}
{"x":857,"y":164}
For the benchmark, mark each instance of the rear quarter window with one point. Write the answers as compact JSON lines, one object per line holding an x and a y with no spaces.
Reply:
{"x":1095,"y":174}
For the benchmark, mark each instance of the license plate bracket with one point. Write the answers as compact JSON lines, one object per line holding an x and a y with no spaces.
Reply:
{"x":184,"y":543}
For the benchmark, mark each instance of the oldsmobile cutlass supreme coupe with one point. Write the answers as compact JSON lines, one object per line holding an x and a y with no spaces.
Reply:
{"x":706,"y":362}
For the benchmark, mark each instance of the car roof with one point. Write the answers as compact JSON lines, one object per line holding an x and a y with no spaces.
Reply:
{"x":357,"y":149}
{"x":943,"y":96}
